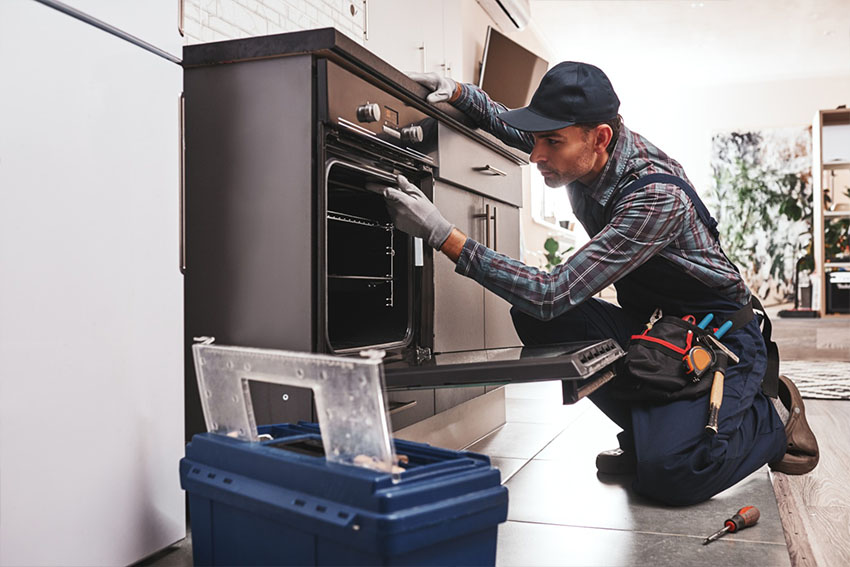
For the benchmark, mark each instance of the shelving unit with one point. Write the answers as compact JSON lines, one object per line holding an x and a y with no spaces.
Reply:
{"x":830,"y":153}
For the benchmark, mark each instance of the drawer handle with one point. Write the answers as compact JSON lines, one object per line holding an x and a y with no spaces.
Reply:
{"x":490,"y":170}
{"x":495,"y":231}
{"x":396,"y":407}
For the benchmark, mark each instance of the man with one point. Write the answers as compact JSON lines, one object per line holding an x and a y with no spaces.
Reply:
{"x":653,"y":242}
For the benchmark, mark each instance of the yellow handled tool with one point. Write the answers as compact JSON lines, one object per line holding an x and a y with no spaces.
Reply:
{"x":716,"y":397}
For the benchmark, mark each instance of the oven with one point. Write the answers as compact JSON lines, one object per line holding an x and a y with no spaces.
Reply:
{"x":286,"y":248}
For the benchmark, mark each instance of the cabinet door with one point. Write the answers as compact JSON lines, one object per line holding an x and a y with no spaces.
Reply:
{"x":418,"y":47}
{"x":504,"y":237}
{"x":458,"y":301}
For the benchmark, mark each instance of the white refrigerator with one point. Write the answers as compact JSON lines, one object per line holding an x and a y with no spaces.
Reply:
{"x":91,"y":297}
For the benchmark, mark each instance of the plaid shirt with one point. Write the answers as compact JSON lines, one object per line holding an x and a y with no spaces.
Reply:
{"x":657,"y":219}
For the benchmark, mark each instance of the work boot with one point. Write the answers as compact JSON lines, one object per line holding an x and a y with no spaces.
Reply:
{"x":801,"y":454}
{"x":616,"y":461}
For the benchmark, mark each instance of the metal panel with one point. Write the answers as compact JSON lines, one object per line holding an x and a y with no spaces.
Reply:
{"x":458,"y":301}
{"x":418,"y":405}
{"x":249,"y":203}
{"x":445,"y":398}
{"x":498,"y":325}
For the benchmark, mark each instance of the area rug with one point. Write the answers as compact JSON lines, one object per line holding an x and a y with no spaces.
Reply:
{"x":828,"y":380}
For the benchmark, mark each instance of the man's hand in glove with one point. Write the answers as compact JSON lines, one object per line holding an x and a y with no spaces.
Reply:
{"x":442,"y":88}
{"x":414,"y":214}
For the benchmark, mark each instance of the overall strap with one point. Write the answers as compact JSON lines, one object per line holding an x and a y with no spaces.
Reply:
{"x":641,"y":182}
{"x":770,"y":382}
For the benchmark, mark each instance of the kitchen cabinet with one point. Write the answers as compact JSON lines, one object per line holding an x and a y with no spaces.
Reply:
{"x":408,"y":34}
{"x":466,"y":315}
{"x":458,"y":301}
{"x":498,"y":324}
{"x":91,"y":304}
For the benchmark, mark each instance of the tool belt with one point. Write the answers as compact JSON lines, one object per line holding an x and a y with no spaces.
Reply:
{"x":672,"y":359}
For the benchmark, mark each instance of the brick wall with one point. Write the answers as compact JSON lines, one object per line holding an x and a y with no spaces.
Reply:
{"x":215,"y":20}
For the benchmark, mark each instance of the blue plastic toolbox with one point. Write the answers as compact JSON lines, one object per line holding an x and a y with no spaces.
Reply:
{"x":279,"y":502}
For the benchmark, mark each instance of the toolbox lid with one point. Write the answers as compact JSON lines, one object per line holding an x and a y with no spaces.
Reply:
{"x":348,"y":392}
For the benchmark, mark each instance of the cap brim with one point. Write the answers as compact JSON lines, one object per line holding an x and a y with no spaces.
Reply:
{"x":529,"y":121}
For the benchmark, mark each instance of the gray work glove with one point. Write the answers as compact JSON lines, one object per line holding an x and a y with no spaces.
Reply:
{"x":413,"y":213}
{"x":442,"y":88}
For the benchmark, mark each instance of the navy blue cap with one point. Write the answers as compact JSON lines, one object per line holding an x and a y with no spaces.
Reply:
{"x":570,"y":93}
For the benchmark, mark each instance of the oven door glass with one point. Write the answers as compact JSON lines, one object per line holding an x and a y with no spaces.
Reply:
{"x":368,"y":273}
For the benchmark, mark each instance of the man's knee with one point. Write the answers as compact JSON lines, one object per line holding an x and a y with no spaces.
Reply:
{"x":569,"y":326}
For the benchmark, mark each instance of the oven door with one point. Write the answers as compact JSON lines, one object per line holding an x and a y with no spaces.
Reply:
{"x":576,"y":362}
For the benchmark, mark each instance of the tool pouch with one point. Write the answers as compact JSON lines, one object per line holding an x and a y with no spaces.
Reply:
{"x":654,"y":369}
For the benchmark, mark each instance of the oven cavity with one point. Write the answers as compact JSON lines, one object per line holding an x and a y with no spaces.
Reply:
{"x":368,"y":271}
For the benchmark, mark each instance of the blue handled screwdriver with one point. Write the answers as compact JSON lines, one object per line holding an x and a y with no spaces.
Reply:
{"x":723,"y":328}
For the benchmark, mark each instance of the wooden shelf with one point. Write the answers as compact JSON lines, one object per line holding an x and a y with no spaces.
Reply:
{"x":826,"y":121}
{"x":836,"y":165}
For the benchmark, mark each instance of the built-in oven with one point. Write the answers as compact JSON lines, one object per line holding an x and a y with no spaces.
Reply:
{"x":286,"y":246}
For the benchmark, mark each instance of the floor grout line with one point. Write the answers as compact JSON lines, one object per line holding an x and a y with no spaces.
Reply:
{"x":701,"y":537}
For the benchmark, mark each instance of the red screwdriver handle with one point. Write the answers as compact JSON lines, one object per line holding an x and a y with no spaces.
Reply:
{"x":743,"y":518}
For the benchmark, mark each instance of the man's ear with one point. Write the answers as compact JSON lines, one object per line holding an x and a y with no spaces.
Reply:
{"x":604,"y":133}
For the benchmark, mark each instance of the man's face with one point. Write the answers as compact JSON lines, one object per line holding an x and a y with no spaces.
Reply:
{"x":564,"y":155}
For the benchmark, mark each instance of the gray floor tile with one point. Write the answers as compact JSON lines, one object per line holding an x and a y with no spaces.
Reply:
{"x":516,"y":440}
{"x":583,"y":438}
{"x":535,"y":390}
{"x":526,"y":410}
{"x":539,"y":545}
{"x":557,"y":492}
{"x":507,"y":466}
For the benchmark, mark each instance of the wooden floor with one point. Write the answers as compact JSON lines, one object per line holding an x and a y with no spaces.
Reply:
{"x":815,"y":508}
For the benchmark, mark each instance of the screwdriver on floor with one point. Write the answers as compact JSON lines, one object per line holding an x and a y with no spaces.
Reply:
{"x":743,"y":518}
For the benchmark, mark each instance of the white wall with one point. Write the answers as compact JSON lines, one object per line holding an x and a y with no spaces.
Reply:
{"x":682,"y":120}
{"x":216,"y":20}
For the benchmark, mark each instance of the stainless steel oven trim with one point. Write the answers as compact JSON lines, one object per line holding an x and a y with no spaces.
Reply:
{"x":383,"y":175}
{"x":356,"y":129}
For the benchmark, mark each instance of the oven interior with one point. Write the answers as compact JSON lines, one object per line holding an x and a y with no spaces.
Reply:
{"x":369,"y":268}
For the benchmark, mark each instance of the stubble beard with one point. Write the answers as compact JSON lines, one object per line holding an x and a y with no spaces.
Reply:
{"x":583,"y":166}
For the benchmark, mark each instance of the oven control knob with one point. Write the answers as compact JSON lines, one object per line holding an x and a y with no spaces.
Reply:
{"x":412,"y":134}
{"x":369,"y":112}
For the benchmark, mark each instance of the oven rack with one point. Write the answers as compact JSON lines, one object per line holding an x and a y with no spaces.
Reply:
{"x":353,"y":277}
{"x":353,"y":219}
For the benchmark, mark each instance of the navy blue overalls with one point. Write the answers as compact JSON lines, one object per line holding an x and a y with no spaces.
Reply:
{"x":678,"y":463}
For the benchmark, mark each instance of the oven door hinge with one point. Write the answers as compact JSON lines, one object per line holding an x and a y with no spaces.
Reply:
{"x":422,"y":354}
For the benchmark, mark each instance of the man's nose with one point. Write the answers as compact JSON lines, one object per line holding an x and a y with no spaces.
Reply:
{"x":537,"y":154}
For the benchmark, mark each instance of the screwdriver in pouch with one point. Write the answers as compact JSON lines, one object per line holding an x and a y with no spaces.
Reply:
{"x":743,"y":518}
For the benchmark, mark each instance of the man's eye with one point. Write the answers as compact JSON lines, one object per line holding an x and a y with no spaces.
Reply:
{"x":552,"y":142}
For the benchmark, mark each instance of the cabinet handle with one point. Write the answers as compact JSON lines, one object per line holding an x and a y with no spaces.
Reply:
{"x":490,"y":170}
{"x":181,"y":144}
{"x":486,"y":216}
{"x":495,"y":231}
{"x":424,"y":58}
{"x":181,"y":11}
{"x":395,"y":407}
